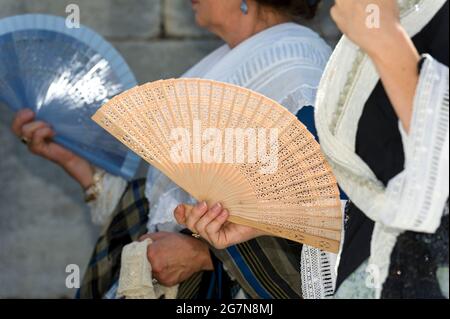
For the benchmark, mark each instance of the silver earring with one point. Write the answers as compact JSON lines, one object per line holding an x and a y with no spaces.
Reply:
{"x":244,"y":7}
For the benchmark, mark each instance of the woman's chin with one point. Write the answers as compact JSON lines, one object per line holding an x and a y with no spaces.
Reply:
{"x":199,"y":21}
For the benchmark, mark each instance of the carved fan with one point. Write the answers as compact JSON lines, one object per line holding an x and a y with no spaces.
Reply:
{"x":223,"y":143}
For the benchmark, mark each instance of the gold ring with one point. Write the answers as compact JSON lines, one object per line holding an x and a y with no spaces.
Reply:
{"x":197,"y":236}
{"x":25,"y":140}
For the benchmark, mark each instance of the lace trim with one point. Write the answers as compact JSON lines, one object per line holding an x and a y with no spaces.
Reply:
{"x":135,"y":280}
{"x":428,"y":93}
{"x":318,"y":273}
{"x":426,"y":168}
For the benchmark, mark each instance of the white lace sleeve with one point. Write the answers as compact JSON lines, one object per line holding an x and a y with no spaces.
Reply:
{"x":420,"y":192}
{"x":110,"y":190}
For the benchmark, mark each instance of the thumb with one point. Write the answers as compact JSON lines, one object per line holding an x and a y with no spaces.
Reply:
{"x":180,"y":214}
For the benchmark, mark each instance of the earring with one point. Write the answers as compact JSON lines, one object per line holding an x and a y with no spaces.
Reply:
{"x":244,"y":7}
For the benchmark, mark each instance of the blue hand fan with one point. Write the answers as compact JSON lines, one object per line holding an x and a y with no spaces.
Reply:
{"x":65,"y":75}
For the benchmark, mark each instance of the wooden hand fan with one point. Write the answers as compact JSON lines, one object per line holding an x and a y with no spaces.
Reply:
{"x":223,"y":143}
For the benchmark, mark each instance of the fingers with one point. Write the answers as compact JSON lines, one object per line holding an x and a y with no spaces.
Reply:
{"x":194,"y":216}
{"x":214,"y":228}
{"x":22,"y":117}
{"x":207,"y":219}
{"x":180,"y":214}
{"x":41,"y":135}
{"x":207,"y":223}
{"x":29,"y":129}
{"x":38,"y":143}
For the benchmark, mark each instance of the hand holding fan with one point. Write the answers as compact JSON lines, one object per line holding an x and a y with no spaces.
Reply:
{"x":64,"y":75}
{"x":223,"y":143}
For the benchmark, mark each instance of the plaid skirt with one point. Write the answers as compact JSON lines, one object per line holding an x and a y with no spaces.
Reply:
{"x":264,"y":268}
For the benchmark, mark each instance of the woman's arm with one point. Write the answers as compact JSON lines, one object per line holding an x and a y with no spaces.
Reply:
{"x":397,"y":64}
{"x":387,"y":44}
{"x":421,"y":103}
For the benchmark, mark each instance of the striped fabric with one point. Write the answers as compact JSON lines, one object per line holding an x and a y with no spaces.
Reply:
{"x":264,"y":268}
{"x":127,"y":225}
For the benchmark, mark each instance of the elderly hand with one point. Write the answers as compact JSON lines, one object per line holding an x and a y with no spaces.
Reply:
{"x":175,"y":257}
{"x":368,"y":23}
{"x":38,"y":137}
{"x":212,"y":225}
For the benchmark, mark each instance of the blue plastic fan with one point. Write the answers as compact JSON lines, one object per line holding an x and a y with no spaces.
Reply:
{"x":65,"y":75}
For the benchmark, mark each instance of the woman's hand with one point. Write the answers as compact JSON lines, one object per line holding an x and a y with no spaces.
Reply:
{"x":38,"y":136}
{"x":212,"y":225}
{"x":387,"y":44}
{"x":368,"y":23}
{"x":175,"y":257}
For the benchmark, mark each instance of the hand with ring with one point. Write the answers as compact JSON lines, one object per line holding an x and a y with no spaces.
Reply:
{"x":38,"y":136}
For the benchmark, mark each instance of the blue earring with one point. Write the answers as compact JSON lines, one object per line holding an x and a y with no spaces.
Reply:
{"x":244,"y":7}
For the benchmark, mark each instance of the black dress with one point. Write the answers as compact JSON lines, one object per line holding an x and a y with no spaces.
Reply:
{"x":416,"y":256}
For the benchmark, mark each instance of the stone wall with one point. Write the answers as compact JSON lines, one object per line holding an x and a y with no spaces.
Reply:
{"x":44,"y":225}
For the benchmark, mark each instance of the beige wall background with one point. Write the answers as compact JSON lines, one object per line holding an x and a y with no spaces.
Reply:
{"x":44,"y":224}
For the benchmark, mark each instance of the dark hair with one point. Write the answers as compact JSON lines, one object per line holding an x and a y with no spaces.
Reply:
{"x":294,"y":8}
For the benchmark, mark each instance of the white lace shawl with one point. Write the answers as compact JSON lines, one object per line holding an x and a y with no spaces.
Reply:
{"x":414,"y":199}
